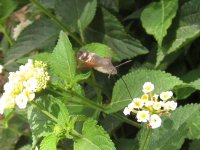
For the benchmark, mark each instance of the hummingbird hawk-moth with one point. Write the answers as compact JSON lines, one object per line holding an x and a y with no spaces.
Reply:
{"x":91,"y":60}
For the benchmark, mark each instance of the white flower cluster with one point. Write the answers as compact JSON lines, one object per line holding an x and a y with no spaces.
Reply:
{"x":20,"y":27}
{"x":22,"y":85}
{"x":151,"y":106}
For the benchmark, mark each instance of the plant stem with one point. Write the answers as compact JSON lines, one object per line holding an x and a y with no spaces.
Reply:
{"x":74,"y":133}
{"x":74,"y":97}
{"x":45,"y":112}
{"x":120,"y":117}
{"x":58,"y":22}
{"x":4,"y":31}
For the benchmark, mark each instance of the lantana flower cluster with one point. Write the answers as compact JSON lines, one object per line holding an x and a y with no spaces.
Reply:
{"x":150,"y":106}
{"x":23,"y":84}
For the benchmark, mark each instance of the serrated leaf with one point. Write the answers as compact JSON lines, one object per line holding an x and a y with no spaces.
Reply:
{"x":40,"y":124}
{"x":110,"y":4}
{"x":99,"y":49}
{"x":63,"y":61}
{"x":134,"y":81}
{"x":196,"y":84}
{"x":107,"y":29}
{"x":93,"y":137}
{"x":82,"y":76}
{"x":6,"y":8}
{"x":175,"y":128}
{"x":187,"y":31}
{"x":49,"y":143}
{"x":39,"y":35}
{"x":45,"y":57}
{"x":126,"y":144}
{"x":157,"y":17}
{"x":81,"y":13}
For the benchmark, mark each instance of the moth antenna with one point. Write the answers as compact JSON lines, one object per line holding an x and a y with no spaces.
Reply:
{"x":127,"y":88}
{"x":128,"y":61}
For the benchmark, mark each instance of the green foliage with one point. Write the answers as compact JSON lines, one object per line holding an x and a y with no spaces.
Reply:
{"x":40,"y":124}
{"x":134,"y":81}
{"x":82,"y":109}
{"x":93,"y":137}
{"x":157,"y":18}
{"x":76,"y":14}
{"x":174,"y":129}
{"x":42,"y":34}
{"x":99,"y":49}
{"x":6,"y":8}
{"x":113,"y":34}
{"x":187,"y":30}
{"x":63,"y":59}
{"x":49,"y":142}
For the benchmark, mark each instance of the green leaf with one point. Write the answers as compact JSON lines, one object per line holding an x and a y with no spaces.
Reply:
{"x":196,"y":84}
{"x":7,"y":136}
{"x":80,"y":77}
{"x":99,"y":49}
{"x":134,"y":81}
{"x":49,"y":142}
{"x":63,"y":59}
{"x":81,"y":13}
{"x":26,"y":147}
{"x":6,"y":8}
{"x":175,"y":128}
{"x":40,"y":124}
{"x":93,"y":137}
{"x":109,"y":30}
{"x":42,"y":34}
{"x":157,"y":17}
{"x":110,"y":4}
{"x":187,"y":31}
{"x":45,"y":57}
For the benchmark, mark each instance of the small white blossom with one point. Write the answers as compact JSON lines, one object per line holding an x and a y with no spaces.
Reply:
{"x":157,"y":105}
{"x":170,"y":105}
{"x":1,"y":68}
{"x":21,"y":100}
{"x":143,"y":116}
{"x":166,"y":95}
{"x":155,"y":97}
{"x":31,"y":85}
{"x":19,"y":28}
{"x":137,"y":103}
{"x":145,"y":97}
{"x":126,"y":111}
{"x":148,"y":87}
{"x":155,"y":121}
{"x":148,"y":103}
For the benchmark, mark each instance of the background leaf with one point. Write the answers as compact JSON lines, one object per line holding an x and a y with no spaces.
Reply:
{"x":76,"y":14}
{"x":93,"y":137}
{"x":135,"y":80}
{"x":157,"y":17}
{"x":188,"y":29}
{"x":63,"y":61}
{"x":42,"y":34}
{"x":6,"y":8}
{"x":107,"y":29}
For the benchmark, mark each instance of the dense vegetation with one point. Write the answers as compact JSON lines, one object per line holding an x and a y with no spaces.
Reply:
{"x":76,"y":74}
